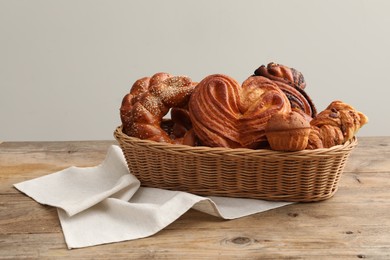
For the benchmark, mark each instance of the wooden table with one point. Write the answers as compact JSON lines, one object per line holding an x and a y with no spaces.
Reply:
{"x":354,"y":224}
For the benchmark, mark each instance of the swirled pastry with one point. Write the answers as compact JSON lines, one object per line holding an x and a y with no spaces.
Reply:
{"x":325,"y":136}
{"x":343,"y":116}
{"x":149,"y":101}
{"x":292,"y":83}
{"x":225,"y":114}
{"x":335,"y":125}
{"x":278,"y":72}
{"x":315,"y":138}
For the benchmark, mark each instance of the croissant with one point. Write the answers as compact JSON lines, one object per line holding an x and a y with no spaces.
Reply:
{"x":335,"y":125}
{"x":315,"y":139}
{"x":149,"y":100}
{"x":225,"y":114}
{"x":292,"y":84}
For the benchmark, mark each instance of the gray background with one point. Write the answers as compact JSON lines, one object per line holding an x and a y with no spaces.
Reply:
{"x":65,"y":65}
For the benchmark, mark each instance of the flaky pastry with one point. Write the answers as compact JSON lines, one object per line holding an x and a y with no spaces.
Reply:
{"x":149,"y":100}
{"x":226,"y":114}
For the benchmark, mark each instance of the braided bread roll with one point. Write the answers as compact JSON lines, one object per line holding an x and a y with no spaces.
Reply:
{"x":225,"y":114}
{"x":292,"y":83}
{"x":337,"y":124}
{"x":149,"y":100}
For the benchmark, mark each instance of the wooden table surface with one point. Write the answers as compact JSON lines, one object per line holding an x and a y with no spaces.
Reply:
{"x":354,"y":224}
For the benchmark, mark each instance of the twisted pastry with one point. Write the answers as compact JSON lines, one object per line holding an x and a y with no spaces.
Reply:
{"x":224,"y":114}
{"x":315,"y":139}
{"x":292,"y":83}
{"x":325,"y":136}
{"x":149,"y":101}
{"x":338,"y":123}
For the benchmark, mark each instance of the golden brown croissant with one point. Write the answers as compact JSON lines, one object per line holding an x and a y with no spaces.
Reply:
{"x":325,"y":136}
{"x":149,"y":101}
{"x":315,"y":139}
{"x":225,"y":114}
{"x":292,"y":83}
{"x":338,"y":123}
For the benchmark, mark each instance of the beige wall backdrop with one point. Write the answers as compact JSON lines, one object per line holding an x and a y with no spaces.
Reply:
{"x":65,"y":65}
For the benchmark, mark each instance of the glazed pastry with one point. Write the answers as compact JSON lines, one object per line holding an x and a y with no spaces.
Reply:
{"x":278,"y":72}
{"x":331,"y":136}
{"x":225,"y":114}
{"x":298,"y":98}
{"x":315,"y":139}
{"x":292,"y":83}
{"x":287,"y":132}
{"x":325,"y":136}
{"x":338,"y":123}
{"x":149,"y":101}
{"x":343,"y":116}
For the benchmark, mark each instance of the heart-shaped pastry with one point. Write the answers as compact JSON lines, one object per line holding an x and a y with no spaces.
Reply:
{"x":225,"y":114}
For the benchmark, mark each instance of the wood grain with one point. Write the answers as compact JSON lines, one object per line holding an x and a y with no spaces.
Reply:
{"x":354,"y":224}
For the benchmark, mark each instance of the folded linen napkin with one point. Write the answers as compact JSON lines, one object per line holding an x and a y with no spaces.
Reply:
{"x":105,"y":203}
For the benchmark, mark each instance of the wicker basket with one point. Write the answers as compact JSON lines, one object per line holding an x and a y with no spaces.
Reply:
{"x":303,"y":176}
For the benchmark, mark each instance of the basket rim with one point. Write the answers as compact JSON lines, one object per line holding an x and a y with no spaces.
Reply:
{"x":118,"y":133}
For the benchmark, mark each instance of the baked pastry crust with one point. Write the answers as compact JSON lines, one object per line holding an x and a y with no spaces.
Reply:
{"x":281,"y":73}
{"x":149,"y":100}
{"x":219,"y":112}
{"x":225,"y":114}
{"x":292,"y":82}
{"x":335,"y":125}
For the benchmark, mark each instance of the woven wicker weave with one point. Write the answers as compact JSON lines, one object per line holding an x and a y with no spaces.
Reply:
{"x":303,"y":176}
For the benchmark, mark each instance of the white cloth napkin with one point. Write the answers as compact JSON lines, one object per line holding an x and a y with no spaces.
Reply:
{"x":105,"y":204}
